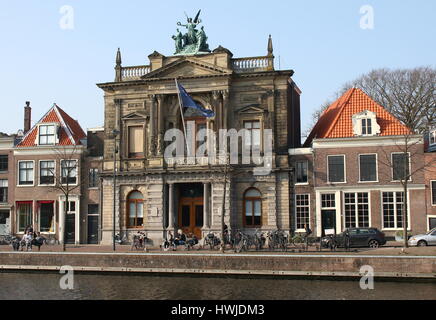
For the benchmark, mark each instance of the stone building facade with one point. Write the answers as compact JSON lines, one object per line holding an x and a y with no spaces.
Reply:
{"x":157,"y":195}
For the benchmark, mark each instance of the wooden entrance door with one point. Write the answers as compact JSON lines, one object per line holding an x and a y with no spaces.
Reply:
{"x":191,"y":216}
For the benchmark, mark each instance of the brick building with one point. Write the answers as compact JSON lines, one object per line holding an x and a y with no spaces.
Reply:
{"x":6,"y":182}
{"x":92,"y":166}
{"x":47,"y":159}
{"x":430,"y":178}
{"x":349,"y":170}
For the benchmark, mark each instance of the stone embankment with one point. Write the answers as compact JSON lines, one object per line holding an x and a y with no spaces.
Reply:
{"x":336,"y":265}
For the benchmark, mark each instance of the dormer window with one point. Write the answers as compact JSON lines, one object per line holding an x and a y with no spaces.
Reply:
{"x":365,"y":124}
{"x":47,"y":135}
{"x":366,"y":127}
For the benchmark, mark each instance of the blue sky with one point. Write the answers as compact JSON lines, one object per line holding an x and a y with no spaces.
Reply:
{"x":320,"y":40}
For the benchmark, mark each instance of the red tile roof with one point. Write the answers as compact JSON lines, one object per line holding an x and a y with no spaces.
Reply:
{"x":70,"y":132}
{"x":336,"y":120}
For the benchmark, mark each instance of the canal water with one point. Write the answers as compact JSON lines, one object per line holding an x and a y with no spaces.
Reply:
{"x":147,"y":287}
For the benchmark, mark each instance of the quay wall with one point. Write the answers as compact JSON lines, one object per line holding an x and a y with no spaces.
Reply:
{"x":221,"y":264}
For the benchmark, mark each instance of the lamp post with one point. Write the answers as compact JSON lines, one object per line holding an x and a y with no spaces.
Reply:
{"x":115,"y":134}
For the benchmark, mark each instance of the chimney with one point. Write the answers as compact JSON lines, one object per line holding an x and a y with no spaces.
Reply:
{"x":27,"y":117}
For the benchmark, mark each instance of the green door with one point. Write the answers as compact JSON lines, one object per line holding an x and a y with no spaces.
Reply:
{"x":328,"y":220}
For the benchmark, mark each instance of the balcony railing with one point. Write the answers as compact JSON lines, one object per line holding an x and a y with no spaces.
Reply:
{"x":134,"y":73}
{"x":254,"y":64}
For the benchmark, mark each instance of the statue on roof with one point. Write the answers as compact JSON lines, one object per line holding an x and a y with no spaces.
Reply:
{"x":194,"y":41}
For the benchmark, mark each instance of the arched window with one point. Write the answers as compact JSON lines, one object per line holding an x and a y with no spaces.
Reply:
{"x":252,"y":208}
{"x":135,"y":210}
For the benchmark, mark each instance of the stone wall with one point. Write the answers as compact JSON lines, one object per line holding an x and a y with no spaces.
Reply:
{"x":279,"y":265}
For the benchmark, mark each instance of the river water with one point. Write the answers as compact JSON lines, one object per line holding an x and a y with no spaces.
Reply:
{"x":148,"y":287}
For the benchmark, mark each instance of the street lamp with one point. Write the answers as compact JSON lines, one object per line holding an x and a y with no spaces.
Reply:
{"x":115,"y":135}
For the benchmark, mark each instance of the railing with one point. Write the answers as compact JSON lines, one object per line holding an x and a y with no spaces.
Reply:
{"x":133,"y":73}
{"x":253,"y":64}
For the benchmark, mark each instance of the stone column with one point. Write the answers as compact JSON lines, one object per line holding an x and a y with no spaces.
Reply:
{"x":171,"y":207}
{"x":117,"y":103}
{"x":218,"y":112}
{"x":160,"y":124}
{"x":226,"y":112}
{"x":117,"y":126}
{"x":206,"y":211}
{"x":151,"y":139}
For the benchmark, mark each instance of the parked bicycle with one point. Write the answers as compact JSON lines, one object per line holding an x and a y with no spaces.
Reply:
{"x":278,"y":240}
{"x":140,"y":240}
{"x":259,"y":240}
{"x":212,"y":241}
{"x":51,"y":240}
{"x":302,"y":241}
{"x":6,"y":239}
{"x":121,"y":240}
{"x":243,"y":242}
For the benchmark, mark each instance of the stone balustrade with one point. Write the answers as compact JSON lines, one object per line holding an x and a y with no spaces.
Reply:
{"x":134,"y":73}
{"x":253,"y":64}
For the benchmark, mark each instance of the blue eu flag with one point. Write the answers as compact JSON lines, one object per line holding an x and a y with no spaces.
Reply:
{"x":187,"y":102}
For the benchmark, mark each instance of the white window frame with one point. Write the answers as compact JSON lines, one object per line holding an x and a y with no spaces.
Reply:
{"x":7,"y":190}
{"x":431,"y":134}
{"x":17,"y":216}
{"x":39,"y":173}
{"x":366,"y":120}
{"x":54,"y":220}
{"x":7,"y":157}
{"x":428,"y":221}
{"x":392,"y":167}
{"x":395,"y":208}
{"x":356,"y":204}
{"x":56,"y":138}
{"x":302,"y":183}
{"x":261,"y":133}
{"x":18,"y":175}
{"x":433,"y":204}
{"x":309,"y":211}
{"x":345,"y":169}
{"x":77,"y":172}
{"x":376,"y":167}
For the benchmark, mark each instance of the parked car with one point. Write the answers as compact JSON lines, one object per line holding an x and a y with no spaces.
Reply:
{"x":359,"y":237}
{"x":424,"y":240}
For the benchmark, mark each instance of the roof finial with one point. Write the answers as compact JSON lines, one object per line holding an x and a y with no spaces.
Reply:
{"x":118,"y":75}
{"x":118,"y":59}
{"x":270,"y":46}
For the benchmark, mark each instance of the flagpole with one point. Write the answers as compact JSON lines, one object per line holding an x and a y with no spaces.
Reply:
{"x":183,"y":118}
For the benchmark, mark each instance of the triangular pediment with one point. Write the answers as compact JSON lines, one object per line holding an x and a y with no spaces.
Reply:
{"x":135,"y":115}
{"x":251,"y":109}
{"x":187,"y":67}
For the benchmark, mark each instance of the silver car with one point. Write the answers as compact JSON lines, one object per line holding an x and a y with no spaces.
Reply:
{"x":424,"y":240}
